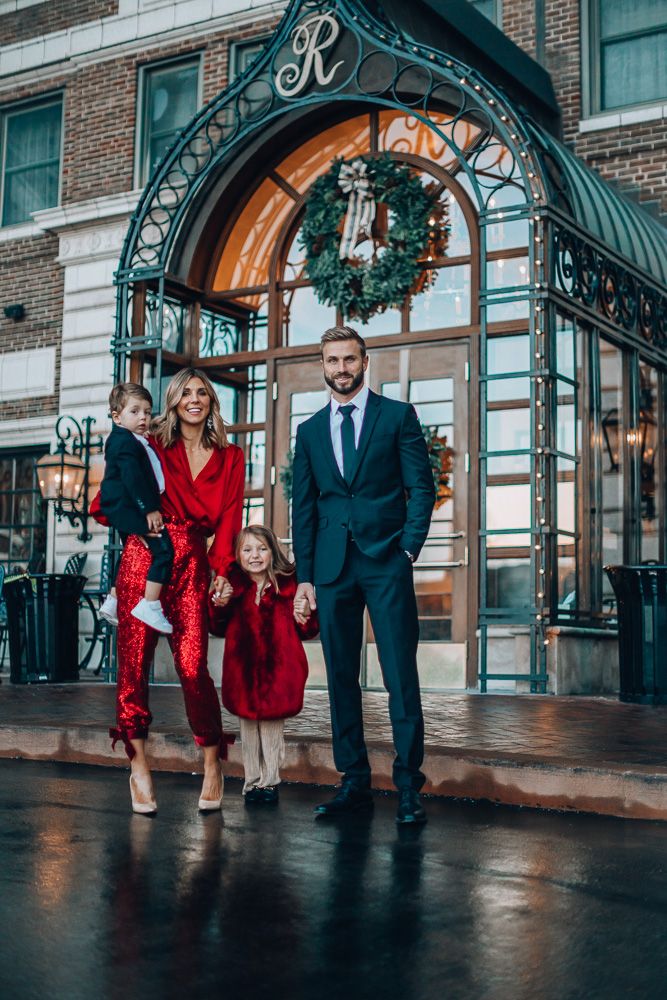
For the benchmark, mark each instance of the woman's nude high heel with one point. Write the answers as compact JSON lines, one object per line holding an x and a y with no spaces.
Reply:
{"x":147,"y":808}
{"x":210,"y":805}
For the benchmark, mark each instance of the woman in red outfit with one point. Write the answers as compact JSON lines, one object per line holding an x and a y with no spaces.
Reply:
{"x":203,"y":497}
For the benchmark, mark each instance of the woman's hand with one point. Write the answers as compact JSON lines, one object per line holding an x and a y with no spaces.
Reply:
{"x":222,"y":591}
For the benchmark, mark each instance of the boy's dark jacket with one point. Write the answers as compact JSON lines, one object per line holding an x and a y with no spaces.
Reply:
{"x":129,"y":489}
{"x":264,"y":668}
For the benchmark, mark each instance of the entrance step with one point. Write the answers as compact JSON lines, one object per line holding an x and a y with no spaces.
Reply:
{"x":579,"y":754}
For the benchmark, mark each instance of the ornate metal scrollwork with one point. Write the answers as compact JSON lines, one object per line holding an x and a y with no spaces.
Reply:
{"x":321,"y":50}
{"x":582,"y":272}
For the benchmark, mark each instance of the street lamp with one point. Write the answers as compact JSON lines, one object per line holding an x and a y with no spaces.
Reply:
{"x":65,"y":477}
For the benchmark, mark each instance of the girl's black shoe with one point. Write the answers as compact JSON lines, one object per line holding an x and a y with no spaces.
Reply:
{"x":270,"y":794}
{"x":254,"y":795}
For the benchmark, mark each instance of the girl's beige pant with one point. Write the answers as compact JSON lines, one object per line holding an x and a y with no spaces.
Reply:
{"x":263,"y":751}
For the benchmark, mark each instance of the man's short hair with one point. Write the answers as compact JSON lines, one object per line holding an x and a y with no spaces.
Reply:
{"x":121,"y":392}
{"x":336,"y":333}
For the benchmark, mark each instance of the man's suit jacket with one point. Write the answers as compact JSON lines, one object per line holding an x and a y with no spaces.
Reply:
{"x":129,"y":489}
{"x":387,"y":505}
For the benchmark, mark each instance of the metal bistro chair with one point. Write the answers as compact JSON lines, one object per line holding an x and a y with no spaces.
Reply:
{"x":75,"y":566}
{"x":4,"y":633}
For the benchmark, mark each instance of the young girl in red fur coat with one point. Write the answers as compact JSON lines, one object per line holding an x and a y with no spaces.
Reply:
{"x":264,"y":667}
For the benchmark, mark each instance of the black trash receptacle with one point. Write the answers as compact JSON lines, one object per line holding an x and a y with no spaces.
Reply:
{"x":641,"y":593}
{"x":43,"y":625}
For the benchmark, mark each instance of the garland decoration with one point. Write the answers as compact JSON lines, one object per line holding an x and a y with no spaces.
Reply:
{"x":378,"y":199}
{"x":440,"y":455}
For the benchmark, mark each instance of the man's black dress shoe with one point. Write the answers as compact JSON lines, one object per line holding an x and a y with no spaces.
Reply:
{"x":348,"y":799}
{"x":410,"y":809}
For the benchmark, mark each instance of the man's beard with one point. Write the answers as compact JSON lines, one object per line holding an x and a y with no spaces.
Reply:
{"x":349,"y":387}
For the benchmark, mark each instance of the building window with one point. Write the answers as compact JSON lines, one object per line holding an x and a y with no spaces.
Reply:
{"x":241,"y":54}
{"x":22,"y":512}
{"x":169,"y":95}
{"x":489,"y":8}
{"x":31,"y":151}
{"x":623,"y":40}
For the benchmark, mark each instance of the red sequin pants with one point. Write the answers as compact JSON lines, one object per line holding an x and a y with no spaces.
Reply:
{"x":185,"y":602}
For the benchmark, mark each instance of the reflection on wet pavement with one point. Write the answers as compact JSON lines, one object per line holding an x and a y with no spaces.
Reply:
{"x":482,"y":903}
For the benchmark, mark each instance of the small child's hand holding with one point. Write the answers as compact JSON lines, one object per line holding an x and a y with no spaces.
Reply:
{"x":302,"y":610}
{"x":154,"y":520}
{"x":223,"y":595}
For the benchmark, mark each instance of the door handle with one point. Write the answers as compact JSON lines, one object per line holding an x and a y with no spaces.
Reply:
{"x":440,"y":565}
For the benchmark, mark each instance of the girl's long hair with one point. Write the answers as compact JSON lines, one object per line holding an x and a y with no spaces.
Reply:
{"x":279,"y":565}
{"x":166,"y":427}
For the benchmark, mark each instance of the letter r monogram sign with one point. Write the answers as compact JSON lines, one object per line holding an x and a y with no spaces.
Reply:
{"x":309,"y":40}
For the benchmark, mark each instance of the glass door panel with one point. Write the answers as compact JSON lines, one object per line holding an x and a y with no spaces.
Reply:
{"x":433,"y":380}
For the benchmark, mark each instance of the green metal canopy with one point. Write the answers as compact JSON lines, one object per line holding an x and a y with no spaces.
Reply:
{"x":579,"y":191}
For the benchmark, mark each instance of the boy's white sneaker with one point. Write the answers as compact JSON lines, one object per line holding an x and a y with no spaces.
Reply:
{"x":109,"y":609}
{"x":151,"y":614}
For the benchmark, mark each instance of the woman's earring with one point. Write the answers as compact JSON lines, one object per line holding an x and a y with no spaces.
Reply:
{"x":209,"y":422}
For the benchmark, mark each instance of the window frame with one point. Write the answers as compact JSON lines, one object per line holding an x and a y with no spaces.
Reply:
{"x":23,"y":107}
{"x":591,"y":65}
{"x":142,"y":170}
{"x":497,"y":18}
{"x":235,"y":48}
{"x":15,"y":454}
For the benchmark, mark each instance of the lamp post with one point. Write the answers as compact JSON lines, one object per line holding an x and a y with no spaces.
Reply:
{"x":65,"y":476}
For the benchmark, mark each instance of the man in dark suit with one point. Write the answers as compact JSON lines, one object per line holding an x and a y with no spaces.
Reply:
{"x":362,"y":500}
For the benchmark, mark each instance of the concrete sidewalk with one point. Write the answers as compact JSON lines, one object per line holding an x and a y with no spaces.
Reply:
{"x":586,"y":754}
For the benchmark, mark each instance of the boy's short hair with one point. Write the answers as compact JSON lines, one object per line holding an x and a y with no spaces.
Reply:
{"x":121,"y":392}
{"x":339,"y":333}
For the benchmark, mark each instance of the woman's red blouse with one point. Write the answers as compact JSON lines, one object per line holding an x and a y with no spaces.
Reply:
{"x":213,"y":500}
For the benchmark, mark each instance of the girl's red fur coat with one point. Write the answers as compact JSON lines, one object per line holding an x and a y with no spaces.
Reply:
{"x":264,"y":667}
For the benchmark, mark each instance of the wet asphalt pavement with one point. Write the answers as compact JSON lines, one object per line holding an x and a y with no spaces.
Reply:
{"x":484,"y":903}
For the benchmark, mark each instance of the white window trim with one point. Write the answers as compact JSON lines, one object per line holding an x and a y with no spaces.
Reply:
{"x":143,"y":70}
{"x":635,"y":115}
{"x":11,"y":6}
{"x":6,"y":112}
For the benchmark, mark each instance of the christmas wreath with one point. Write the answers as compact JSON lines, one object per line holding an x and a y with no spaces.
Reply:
{"x":440,"y":456}
{"x":378,"y":199}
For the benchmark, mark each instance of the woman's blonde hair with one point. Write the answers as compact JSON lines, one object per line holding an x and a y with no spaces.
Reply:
{"x":279,"y":565}
{"x":166,"y":426}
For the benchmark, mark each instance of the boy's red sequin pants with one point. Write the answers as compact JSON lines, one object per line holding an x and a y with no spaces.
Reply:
{"x":185,"y":602}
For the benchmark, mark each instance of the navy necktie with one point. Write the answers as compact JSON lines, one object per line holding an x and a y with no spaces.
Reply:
{"x":347,"y":440}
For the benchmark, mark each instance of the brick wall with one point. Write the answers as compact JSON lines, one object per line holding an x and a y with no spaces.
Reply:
{"x":100,"y":112}
{"x":54,"y":15}
{"x":29,"y":274}
{"x":633,"y":156}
